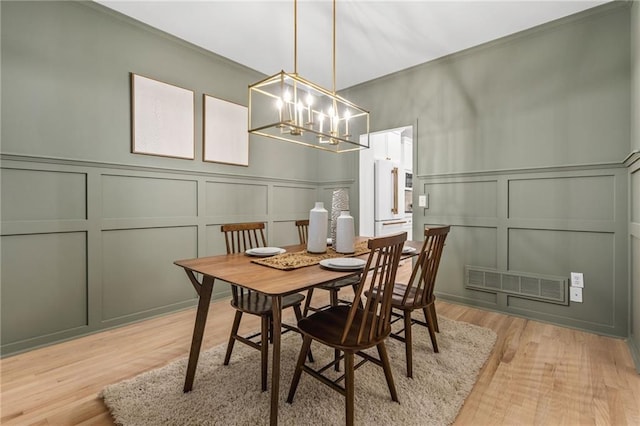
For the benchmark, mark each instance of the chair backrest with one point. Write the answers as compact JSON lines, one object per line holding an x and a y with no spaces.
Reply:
{"x":303,"y":230}
{"x":383,"y":264}
{"x":243,"y":236}
{"x":423,"y":276}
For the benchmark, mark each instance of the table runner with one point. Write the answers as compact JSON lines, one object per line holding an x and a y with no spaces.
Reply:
{"x":300,"y":259}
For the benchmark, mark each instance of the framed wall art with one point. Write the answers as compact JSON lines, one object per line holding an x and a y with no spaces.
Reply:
{"x":226,"y":137}
{"x":163,"y":118}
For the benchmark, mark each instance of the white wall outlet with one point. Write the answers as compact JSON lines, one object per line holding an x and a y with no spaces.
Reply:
{"x":575,"y":294}
{"x":423,"y":201}
{"x":577,"y":279}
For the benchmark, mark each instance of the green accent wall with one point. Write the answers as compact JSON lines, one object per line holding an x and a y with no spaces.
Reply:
{"x":89,"y":230}
{"x":524,"y":145}
{"x":520,"y":145}
{"x":634,"y":186}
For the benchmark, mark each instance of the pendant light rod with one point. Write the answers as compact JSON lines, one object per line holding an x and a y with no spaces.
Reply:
{"x":334,"y":46}
{"x":295,"y":37}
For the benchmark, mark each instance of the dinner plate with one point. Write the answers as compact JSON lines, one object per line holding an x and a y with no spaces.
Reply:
{"x":343,"y":263}
{"x":265,"y":251}
{"x":408,"y":250}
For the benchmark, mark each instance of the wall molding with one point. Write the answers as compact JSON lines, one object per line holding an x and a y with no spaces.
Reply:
{"x":163,"y":170}
{"x":524,"y":170}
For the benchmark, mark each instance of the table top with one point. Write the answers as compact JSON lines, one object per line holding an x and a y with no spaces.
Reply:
{"x":239,"y":270}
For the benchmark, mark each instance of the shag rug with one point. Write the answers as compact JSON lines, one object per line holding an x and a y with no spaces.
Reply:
{"x":230,"y":395}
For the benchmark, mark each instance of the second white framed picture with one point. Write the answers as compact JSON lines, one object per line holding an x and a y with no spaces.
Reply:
{"x":226,"y":137}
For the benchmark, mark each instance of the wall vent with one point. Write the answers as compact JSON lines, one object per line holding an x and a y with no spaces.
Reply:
{"x":543,"y":288}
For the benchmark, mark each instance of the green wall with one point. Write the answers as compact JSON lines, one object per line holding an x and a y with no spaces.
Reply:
{"x":634,"y":183}
{"x":89,"y":230}
{"x":520,"y":145}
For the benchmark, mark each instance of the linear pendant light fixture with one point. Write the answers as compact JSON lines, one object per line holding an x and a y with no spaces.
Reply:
{"x":290,"y":108}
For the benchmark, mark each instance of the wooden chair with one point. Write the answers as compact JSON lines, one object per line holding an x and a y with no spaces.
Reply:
{"x":238,"y":238}
{"x":332,"y":287}
{"x":418,"y":293}
{"x":353,"y":329}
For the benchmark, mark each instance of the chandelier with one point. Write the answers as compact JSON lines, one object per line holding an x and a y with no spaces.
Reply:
{"x":290,"y":108}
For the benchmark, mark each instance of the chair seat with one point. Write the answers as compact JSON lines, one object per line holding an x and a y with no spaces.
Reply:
{"x":340,"y":283}
{"x":399,"y":290}
{"x":259,"y":304}
{"x":327,"y":327}
{"x":397,"y":297}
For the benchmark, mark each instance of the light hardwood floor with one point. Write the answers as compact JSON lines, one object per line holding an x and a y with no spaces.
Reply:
{"x":537,"y":374}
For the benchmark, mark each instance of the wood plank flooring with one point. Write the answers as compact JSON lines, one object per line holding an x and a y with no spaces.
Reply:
{"x":537,"y":374}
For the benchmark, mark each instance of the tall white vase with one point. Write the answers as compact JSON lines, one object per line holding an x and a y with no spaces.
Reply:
{"x":345,"y":233}
{"x":318,"y":224}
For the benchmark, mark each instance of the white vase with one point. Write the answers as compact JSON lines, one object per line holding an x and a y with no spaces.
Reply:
{"x":345,"y":233}
{"x":318,"y":223}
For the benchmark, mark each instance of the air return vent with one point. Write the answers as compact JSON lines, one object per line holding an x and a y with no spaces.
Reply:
{"x":543,"y":288}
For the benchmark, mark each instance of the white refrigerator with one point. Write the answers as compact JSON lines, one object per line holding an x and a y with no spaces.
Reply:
{"x":389,"y":215}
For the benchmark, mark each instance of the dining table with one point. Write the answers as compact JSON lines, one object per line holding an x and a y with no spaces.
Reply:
{"x":241,"y":270}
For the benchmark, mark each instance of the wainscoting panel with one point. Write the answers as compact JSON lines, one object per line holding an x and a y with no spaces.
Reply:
{"x":572,"y":198}
{"x":52,"y":195}
{"x":285,"y":233}
{"x":555,"y":252}
{"x":476,"y":198}
{"x":147,"y":197}
{"x":290,"y":201}
{"x":240,"y":200}
{"x":44,"y":285}
{"x":138,"y":273}
{"x":466,"y":245}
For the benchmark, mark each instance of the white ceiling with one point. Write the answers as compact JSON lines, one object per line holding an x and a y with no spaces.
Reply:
{"x":374,"y":37}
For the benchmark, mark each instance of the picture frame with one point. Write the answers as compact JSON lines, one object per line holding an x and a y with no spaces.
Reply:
{"x":226,"y":132}
{"x":162,"y":118}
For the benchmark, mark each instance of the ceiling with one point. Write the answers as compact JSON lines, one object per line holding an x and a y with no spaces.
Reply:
{"x":374,"y":37}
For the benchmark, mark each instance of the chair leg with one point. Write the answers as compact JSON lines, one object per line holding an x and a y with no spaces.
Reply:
{"x":435,"y":317}
{"x":264,"y":350}
{"x":307,"y":302}
{"x":430,"y":325}
{"x":232,"y":337}
{"x":333,"y":298}
{"x":296,"y":309}
{"x":306,"y":345}
{"x":408,"y":343}
{"x":349,"y":386}
{"x":384,"y":357}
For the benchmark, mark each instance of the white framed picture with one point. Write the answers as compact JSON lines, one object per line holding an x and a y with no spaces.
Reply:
{"x":163,"y":118}
{"x":226,"y":137}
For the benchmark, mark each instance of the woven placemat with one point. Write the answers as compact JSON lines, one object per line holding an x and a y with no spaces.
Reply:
{"x":300,"y":259}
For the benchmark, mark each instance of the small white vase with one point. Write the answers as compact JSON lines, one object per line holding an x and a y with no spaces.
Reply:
{"x":345,"y":233}
{"x":318,"y":224}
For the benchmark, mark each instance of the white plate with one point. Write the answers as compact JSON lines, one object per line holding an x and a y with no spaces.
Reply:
{"x":265,"y":251}
{"x":407,"y":250}
{"x":343,"y":263}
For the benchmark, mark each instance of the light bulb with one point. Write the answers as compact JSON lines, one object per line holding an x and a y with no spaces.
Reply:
{"x":287,"y":96}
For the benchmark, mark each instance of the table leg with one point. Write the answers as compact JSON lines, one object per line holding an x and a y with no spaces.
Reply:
{"x":198,"y":330}
{"x":276,"y":308}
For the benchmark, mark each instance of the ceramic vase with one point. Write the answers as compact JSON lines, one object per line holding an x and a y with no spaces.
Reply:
{"x":339,"y":203}
{"x":345,"y":233}
{"x":318,"y":223}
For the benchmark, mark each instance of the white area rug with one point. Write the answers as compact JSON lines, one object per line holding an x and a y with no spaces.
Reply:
{"x":230,"y":395}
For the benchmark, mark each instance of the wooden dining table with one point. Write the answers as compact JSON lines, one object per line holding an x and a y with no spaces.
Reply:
{"x":238,"y":269}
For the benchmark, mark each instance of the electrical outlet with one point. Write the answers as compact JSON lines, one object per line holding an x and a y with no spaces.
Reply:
{"x":423,"y":201}
{"x":577,"y":279}
{"x":575,"y":294}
